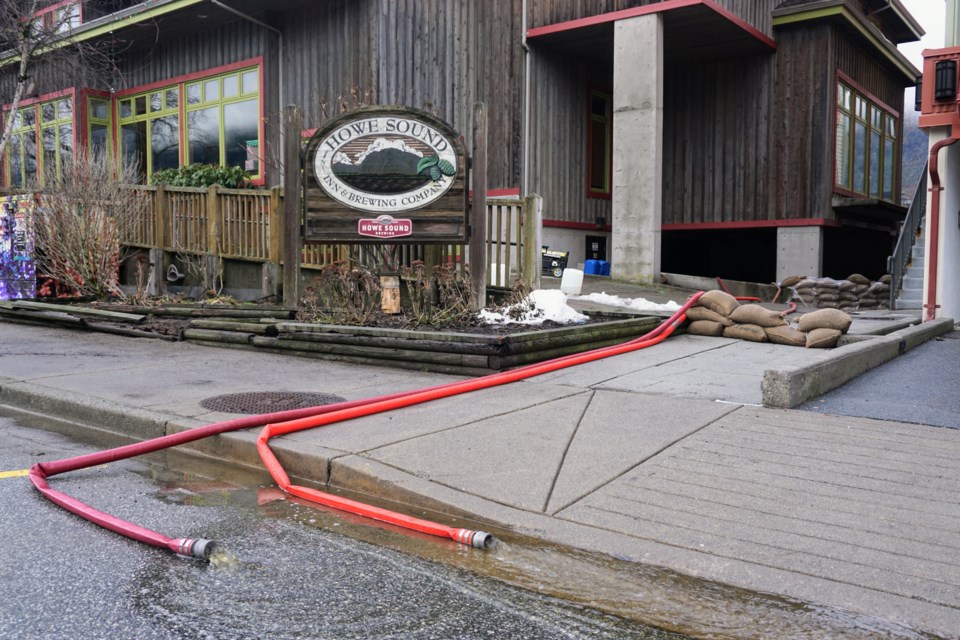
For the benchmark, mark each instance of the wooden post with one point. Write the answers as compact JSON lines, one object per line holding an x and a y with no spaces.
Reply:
{"x":532,"y":241}
{"x":478,"y":206}
{"x":213,"y":221}
{"x":293,"y":125}
{"x":275,"y":224}
{"x":164,"y":222}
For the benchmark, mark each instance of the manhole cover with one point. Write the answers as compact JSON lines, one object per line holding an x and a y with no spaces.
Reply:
{"x":267,"y":401}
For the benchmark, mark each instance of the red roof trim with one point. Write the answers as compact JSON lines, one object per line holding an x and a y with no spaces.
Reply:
{"x":667,"y":5}
{"x":751,"y":224}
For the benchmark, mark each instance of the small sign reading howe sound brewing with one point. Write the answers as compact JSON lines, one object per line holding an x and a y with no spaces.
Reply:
{"x":386,"y":173}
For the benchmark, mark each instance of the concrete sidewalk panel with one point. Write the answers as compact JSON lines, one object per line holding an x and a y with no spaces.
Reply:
{"x":385,"y":429}
{"x":512,"y":460}
{"x":621,"y":430}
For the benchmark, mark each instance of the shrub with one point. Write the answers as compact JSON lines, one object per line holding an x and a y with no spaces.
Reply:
{"x":202,"y":175}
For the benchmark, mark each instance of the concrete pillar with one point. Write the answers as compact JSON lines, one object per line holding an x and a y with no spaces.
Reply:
{"x":799,"y":252}
{"x":637,"y":148}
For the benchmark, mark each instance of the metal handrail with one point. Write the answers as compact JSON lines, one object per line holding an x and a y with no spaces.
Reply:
{"x":897,"y":262}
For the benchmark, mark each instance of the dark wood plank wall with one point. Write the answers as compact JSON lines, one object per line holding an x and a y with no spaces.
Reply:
{"x":330,"y":57}
{"x":558,"y":136}
{"x":717,"y":141}
{"x":172,"y":57}
{"x":444,"y":56}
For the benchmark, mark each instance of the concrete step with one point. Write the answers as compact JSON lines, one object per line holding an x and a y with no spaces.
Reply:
{"x":909,"y":305}
{"x":918,"y":249}
{"x":912,"y":281}
{"x":916,"y":264}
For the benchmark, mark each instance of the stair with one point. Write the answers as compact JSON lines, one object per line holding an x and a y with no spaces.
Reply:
{"x":911,"y":292}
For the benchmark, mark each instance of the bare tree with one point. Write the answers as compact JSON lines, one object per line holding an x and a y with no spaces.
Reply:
{"x":36,"y":45}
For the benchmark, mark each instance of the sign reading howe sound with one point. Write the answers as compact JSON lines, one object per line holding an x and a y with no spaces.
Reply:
{"x":386,"y":173}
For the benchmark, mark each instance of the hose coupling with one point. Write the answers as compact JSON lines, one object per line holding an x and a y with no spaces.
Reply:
{"x":478,"y":539}
{"x":199,"y":548}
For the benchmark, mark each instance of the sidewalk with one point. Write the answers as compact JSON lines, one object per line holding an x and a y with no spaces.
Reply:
{"x":659,"y":456}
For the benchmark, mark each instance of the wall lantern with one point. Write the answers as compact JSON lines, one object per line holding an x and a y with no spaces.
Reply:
{"x":946,"y":80}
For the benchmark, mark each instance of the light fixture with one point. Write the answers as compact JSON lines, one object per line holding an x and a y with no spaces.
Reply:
{"x":946,"y":80}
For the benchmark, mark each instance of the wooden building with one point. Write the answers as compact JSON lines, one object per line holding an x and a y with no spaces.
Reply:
{"x":748,"y":139}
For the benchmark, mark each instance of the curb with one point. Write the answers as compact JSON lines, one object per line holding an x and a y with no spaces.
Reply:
{"x":787,"y":388}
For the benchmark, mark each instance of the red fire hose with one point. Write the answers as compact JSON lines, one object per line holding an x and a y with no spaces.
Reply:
{"x":283,"y":422}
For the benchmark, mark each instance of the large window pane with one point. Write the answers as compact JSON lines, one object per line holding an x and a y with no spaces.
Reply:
{"x":16,"y":164}
{"x":30,"y":157}
{"x":888,"y":166}
{"x":875,"y":164}
{"x":66,"y":145}
{"x":860,"y":158}
{"x":203,"y":132}
{"x":240,"y":131}
{"x":165,"y":142}
{"x":98,"y":139}
{"x":843,"y":149}
{"x":598,"y":156}
{"x":49,"y":141}
{"x":133,"y":145}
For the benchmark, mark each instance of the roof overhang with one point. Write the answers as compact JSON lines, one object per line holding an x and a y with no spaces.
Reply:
{"x":868,"y":211}
{"x":856,"y":25}
{"x":141,"y":24}
{"x":693,"y":30}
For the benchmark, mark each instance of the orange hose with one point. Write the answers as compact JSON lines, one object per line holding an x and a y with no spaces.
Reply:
{"x":435,"y":393}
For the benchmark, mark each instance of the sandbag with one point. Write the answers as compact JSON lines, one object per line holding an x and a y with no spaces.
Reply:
{"x":848,"y":296}
{"x":827,"y":283}
{"x":755,"y":314}
{"x":825,"y":319}
{"x":885,"y":279}
{"x":807,"y":284}
{"x":751,"y":332}
{"x":705,"y":328}
{"x":719,"y":301}
{"x":857,"y":278}
{"x":786,"y":335}
{"x":822,"y":338}
{"x":792,"y":281}
{"x":702,"y":313}
{"x":845,"y":286}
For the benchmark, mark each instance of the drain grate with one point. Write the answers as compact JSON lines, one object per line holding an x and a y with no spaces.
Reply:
{"x":267,"y":401}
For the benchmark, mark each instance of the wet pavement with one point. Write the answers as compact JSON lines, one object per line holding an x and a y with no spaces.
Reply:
{"x":921,"y":387}
{"x":658,"y":457}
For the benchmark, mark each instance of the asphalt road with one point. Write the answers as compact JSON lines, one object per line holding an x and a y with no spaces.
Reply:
{"x":293,"y":575}
{"x":922,"y":386}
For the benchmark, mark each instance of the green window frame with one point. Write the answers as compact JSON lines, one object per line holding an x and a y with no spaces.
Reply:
{"x":599,"y":144}
{"x":213,"y":119}
{"x":222,"y":115}
{"x":867,"y":146}
{"x":41,"y":141}
{"x":99,"y":125}
{"x":149,"y":129}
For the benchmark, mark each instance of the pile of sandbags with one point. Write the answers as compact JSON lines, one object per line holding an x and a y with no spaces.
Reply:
{"x":718,"y":313}
{"x":855,"y":293}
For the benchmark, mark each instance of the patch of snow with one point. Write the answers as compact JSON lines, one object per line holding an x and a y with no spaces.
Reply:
{"x":341,"y":158}
{"x":637,"y":304}
{"x":383,"y":143}
{"x":541,"y":305}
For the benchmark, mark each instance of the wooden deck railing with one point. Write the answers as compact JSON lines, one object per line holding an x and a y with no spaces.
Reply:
{"x":245,"y":224}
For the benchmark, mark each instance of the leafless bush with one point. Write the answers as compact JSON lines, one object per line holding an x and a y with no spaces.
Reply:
{"x":440,"y":299}
{"x":342,"y":294}
{"x":84,"y":216}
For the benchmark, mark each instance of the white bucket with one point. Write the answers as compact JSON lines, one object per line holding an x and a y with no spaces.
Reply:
{"x":571,"y":282}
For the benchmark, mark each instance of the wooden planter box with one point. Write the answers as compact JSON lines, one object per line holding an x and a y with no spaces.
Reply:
{"x":437,"y":351}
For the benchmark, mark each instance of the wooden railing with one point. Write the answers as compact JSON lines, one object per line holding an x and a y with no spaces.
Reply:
{"x":245,"y":224}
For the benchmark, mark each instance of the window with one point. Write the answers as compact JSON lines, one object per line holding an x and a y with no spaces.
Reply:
{"x":223,"y":120}
{"x":150,"y":130}
{"x":599,"y":144}
{"x":221,"y":123}
{"x":866,"y":146}
{"x":60,"y":17}
{"x":46,"y":127}
{"x":98,"y":118}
